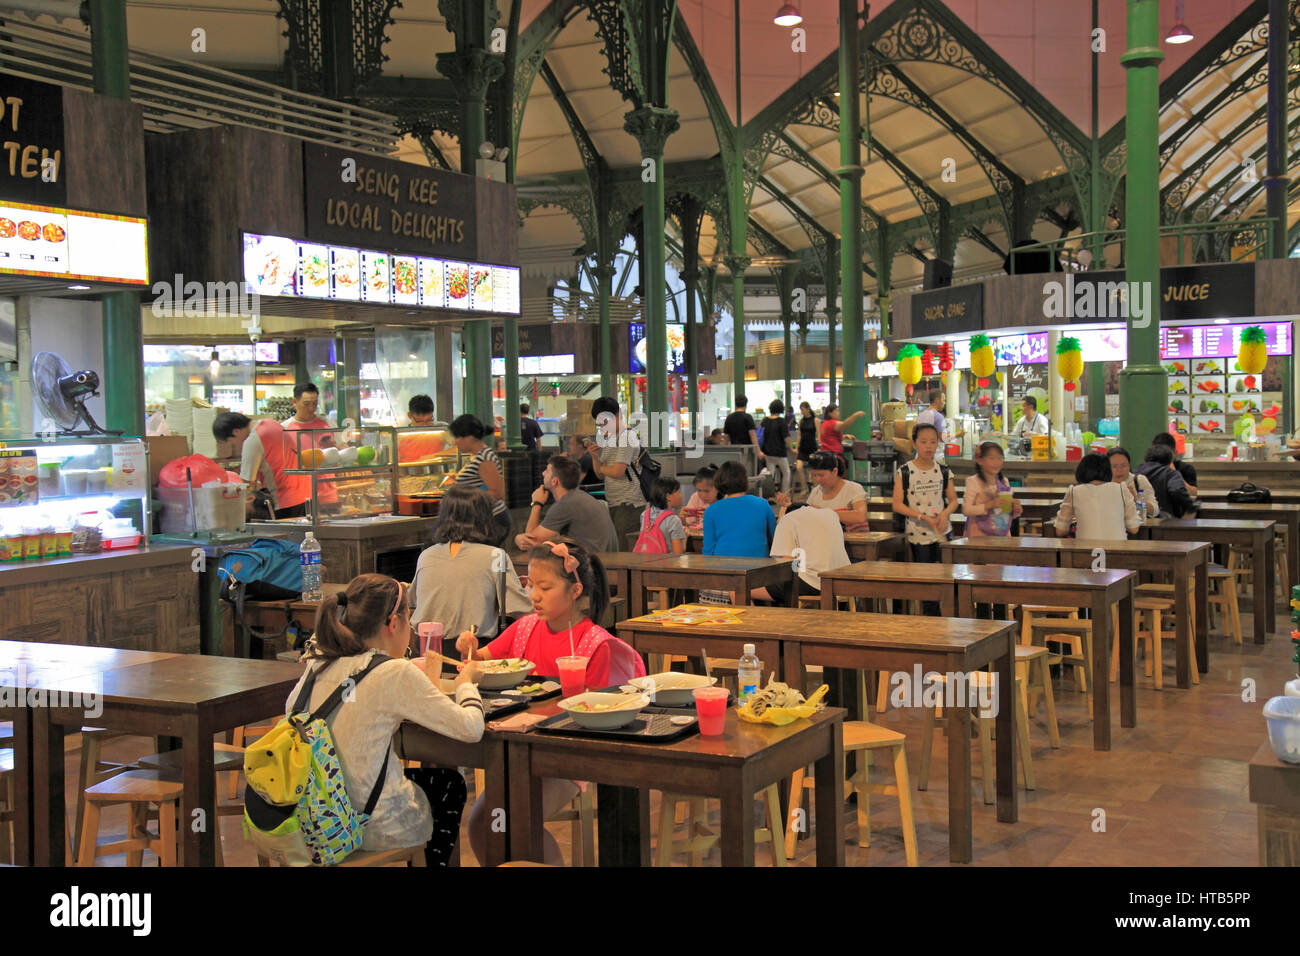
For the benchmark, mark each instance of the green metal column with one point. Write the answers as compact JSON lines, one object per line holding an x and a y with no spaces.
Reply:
{"x":690,"y":276}
{"x":652,"y":125}
{"x":471,"y":70}
{"x":832,"y":311}
{"x":1096,"y":202}
{"x":738,"y":265}
{"x":1144,"y":384}
{"x":1276,"y":182}
{"x":604,"y":289}
{"x":514,"y":424}
{"x":853,"y":392}
{"x":123,"y":333}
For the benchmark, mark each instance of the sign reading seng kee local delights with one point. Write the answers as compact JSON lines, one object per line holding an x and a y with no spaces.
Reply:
{"x":364,"y":200}
{"x":31,"y":142}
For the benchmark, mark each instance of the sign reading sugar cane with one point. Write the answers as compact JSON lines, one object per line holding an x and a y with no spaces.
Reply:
{"x":31,"y":141}
{"x":367,"y":200}
{"x":955,"y":309}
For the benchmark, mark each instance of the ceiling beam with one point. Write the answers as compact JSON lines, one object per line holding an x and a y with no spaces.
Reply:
{"x":595,"y":165}
{"x":814,"y":165}
{"x":973,"y":232}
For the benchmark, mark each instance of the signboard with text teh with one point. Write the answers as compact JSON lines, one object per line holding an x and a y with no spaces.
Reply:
{"x":31,"y":148}
{"x":364,"y":200}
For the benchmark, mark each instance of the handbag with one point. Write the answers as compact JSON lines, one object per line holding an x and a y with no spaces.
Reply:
{"x":1249,"y":494}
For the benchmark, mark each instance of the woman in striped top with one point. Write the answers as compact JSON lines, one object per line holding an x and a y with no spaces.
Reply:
{"x":483,"y":470}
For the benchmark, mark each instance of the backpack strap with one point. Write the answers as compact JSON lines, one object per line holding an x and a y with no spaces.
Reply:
{"x":595,"y":636}
{"x":523,"y":631}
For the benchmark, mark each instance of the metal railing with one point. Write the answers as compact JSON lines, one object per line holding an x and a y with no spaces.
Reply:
{"x":178,"y":95}
{"x":1203,"y":242}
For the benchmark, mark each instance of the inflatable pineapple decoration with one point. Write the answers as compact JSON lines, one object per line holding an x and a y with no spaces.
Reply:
{"x":981,"y":359}
{"x":1252,"y":355}
{"x":1069,"y":361}
{"x":909,"y":365}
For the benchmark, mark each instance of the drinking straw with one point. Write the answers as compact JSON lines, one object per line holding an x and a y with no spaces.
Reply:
{"x":572,"y":651}
{"x":708,"y":671}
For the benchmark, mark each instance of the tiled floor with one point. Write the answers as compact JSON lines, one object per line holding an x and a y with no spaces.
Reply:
{"x":1171,"y":792}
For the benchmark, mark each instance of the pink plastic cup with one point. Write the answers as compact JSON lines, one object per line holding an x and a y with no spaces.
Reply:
{"x":573,"y":675}
{"x":429,"y":632}
{"x":711,"y":708}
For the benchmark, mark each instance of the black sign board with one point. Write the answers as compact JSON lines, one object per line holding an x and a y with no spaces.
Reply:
{"x":364,"y":200}
{"x":958,"y":308}
{"x":1025,"y":377}
{"x":1219,"y":291}
{"x":31,"y":147}
{"x":533,"y":340}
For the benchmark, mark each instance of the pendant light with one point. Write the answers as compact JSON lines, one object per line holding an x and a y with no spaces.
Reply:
{"x":788,"y":16}
{"x":1179,"y":33}
{"x":214,"y":366}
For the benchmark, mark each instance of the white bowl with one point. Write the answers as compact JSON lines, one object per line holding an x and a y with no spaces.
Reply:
{"x":1283,"y":716}
{"x":513,"y":678}
{"x":626,"y":708}
{"x":672,"y":688}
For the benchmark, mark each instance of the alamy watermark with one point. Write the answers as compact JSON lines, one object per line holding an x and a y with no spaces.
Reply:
{"x":1079,"y":298}
{"x":950,"y":689}
{"x":177,"y":298}
{"x":16,"y":692}
{"x":650,"y":430}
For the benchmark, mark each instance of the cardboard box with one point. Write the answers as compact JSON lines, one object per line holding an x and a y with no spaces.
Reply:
{"x":890,"y":411}
{"x":164,"y":449}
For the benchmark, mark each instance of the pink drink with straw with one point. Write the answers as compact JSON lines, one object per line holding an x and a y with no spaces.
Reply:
{"x":573,"y":675}
{"x":430,"y":633}
{"x":711,"y":708}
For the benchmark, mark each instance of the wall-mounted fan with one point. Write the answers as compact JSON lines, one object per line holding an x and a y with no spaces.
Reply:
{"x":61,"y":393}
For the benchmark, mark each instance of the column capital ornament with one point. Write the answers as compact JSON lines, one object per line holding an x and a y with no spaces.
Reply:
{"x":603,"y":271}
{"x":737,"y":265}
{"x":690,"y":275}
{"x":651,"y":125}
{"x":471,"y":71}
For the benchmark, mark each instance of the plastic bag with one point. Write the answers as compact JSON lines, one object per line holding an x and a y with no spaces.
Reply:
{"x":202,"y":470}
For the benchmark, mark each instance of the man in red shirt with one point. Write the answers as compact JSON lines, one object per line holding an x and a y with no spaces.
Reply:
{"x":306,"y":398}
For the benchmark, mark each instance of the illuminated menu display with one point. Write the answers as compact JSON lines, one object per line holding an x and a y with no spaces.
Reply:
{"x":279,"y":266}
{"x":66,"y":244}
{"x":1220,"y":341}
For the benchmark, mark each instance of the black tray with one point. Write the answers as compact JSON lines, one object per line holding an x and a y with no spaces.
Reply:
{"x":687,"y":708}
{"x":505,"y":710}
{"x":652,"y":725}
{"x":449,"y":672}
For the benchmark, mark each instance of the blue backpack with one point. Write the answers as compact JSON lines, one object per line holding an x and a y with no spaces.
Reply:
{"x":267,"y":570}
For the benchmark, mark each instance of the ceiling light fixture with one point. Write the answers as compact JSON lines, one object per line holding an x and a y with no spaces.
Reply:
{"x":881,"y":351}
{"x":214,"y":366}
{"x":78,"y":288}
{"x":788,"y":16}
{"x":1179,"y":33}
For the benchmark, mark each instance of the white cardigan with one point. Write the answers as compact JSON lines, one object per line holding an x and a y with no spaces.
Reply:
{"x":1102,"y":510}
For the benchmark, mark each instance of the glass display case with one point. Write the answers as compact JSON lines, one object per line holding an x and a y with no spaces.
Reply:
{"x":66,"y":496}
{"x":427,"y":462}
{"x":350,"y":473}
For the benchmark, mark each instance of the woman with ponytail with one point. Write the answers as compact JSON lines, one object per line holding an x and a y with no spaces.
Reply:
{"x":560,"y":574}
{"x":369,"y":620}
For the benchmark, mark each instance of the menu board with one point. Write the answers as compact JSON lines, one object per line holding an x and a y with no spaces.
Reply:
{"x":314,"y":271}
{"x":62,"y":243}
{"x":1028,"y":349}
{"x":1219,"y":341}
{"x":481,"y":288}
{"x":405,"y":287}
{"x":432,"y":284}
{"x":279,"y":266}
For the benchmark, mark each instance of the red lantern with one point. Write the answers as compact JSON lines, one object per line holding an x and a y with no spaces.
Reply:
{"x":703,"y":386}
{"x":1069,"y":386}
{"x":982,"y":383}
{"x":927,"y":362}
{"x":640,"y":383}
{"x":945,"y":357}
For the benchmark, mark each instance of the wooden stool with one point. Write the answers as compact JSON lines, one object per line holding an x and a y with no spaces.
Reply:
{"x":863,"y":737}
{"x":1281,"y":571}
{"x":1157,"y":608}
{"x":1060,"y":625}
{"x":699,"y":841}
{"x":984,"y":722}
{"x":407,"y":855}
{"x":1026,"y":657}
{"x":93,"y":771}
{"x":581,"y":812}
{"x":137,"y":789}
{"x":1223,"y":595}
{"x":7,"y":805}
{"x":226,"y":758}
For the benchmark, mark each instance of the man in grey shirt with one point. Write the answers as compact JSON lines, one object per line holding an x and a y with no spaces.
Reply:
{"x":575,"y":514}
{"x":618,"y":447}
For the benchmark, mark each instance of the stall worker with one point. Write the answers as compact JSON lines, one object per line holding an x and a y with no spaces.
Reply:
{"x":265,"y":452}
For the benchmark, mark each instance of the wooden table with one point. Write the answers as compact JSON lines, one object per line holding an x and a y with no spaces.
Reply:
{"x":1182,"y":559}
{"x":1096,"y":591}
{"x":187,"y":696}
{"x":1255,"y":536}
{"x":891,"y":579}
{"x":1284,"y":513}
{"x":861,"y":545}
{"x":696,"y":571}
{"x":276,"y":616}
{"x":1275,"y":789}
{"x":876,"y":642}
{"x":26,"y":665}
{"x":734,"y":767}
{"x":625,"y":568}
{"x":488,"y":754}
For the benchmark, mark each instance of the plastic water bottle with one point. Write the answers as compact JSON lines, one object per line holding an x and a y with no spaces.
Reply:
{"x":1141,"y":510}
{"x":309,"y":558}
{"x":748,"y":673}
